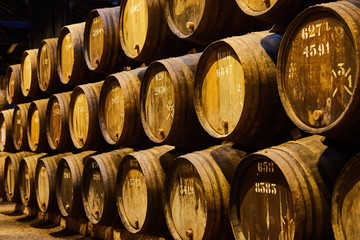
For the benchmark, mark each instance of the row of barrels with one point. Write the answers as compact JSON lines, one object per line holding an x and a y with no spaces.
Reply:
{"x":137,"y":29}
{"x":183,"y":101}
{"x":283,"y":192}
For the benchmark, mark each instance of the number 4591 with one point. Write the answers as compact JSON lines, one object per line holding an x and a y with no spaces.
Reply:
{"x":317,"y":50}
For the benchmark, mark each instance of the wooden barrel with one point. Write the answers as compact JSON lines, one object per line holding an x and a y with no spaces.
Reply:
{"x":98,"y":185}
{"x":68,"y":184}
{"x":11,"y":175}
{"x":144,"y":33}
{"x":6,"y":141}
{"x":45,"y":176}
{"x":119,"y":109}
{"x":102,"y":49}
{"x":196,"y":193}
{"x":57,"y":122}
{"x":139,"y":185}
{"x":3,"y":156}
{"x":83,"y":119}
{"x":19,"y":127}
{"x":276,"y":11}
{"x":71,"y":65}
{"x":318,"y":79}
{"x":48,"y":77}
{"x":13,"y":84}
{"x":236,"y":97}
{"x":345,"y":199}
{"x":26,"y":180}
{"x":167,"y":105}
{"x":3,"y":101}
{"x":284,"y":192}
{"x":29,"y":81}
{"x":197,"y":21}
{"x":36,"y":126}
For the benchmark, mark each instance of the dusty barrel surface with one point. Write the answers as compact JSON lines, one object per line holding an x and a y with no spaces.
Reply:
{"x":139,"y":186}
{"x":167,"y":106}
{"x":19,"y":127}
{"x":11,"y":175}
{"x":36,"y":126}
{"x":196,"y":193}
{"x":45,"y":176}
{"x":13,"y":84}
{"x":68,"y":184}
{"x":29,"y":80}
{"x":72,"y":68}
{"x":318,"y":71}
{"x":26,"y":180}
{"x":284,"y":192}
{"x":144,"y":33}
{"x":345,"y":201}
{"x":6,"y":142}
{"x":57,"y":122}
{"x":103,"y":52}
{"x":3,"y":156}
{"x":119,"y":109}
{"x":236,"y":97}
{"x":197,"y":21}
{"x":83,"y":119}
{"x":274,"y":11}
{"x":48,"y":77}
{"x":98,"y":185}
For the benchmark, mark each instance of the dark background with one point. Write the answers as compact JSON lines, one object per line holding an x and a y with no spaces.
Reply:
{"x":24,"y":23}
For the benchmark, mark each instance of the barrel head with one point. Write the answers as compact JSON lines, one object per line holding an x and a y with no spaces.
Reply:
{"x":55,"y":123}
{"x":219,"y":90}
{"x":18,"y":131}
{"x":186,"y":200}
{"x":80,"y":120}
{"x":67,"y":57}
{"x":158,"y":105}
{"x":9,"y":180}
{"x":318,"y":68}
{"x":132,"y":195}
{"x":2,"y":133}
{"x":44,"y":67}
{"x":113,"y":110}
{"x":262,"y":206}
{"x":64,"y":188}
{"x":94,"y":193}
{"x":134,"y":26}
{"x":34,"y":128}
{"x":26,"y":75}
{"x":24,"y":183}
{"x":184,"y":16}
{"x":96,"y":42}
{"x":10,"y":87}
{"x":42,"y":182}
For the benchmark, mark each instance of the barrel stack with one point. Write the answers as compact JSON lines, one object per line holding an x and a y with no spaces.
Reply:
{"x":169,"y":120}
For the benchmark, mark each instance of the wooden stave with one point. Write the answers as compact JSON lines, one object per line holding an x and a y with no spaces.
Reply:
{"x":154,"y":163}
{"x":260,"y":125}
{"x":82,"y":74}
{"x":337,"y":130}
{"x":181,"y":71}
{"x":50,"y":163}
{"x":23,"y":108}
{"x":30,"y":163}
{"x":34,"y":90}
{"x":305,"y":165}
{"x":94,"y":138}
{"x":14,"y":159}
{"x":7,"y":116}
{"x":18,"y":97}
{"x":108,"y":166}
{"x":75,"y":164}
{"x":215,"y":167}
{"x":113,"y":58}
{"x":41,"y":106}
{"x":155,"y":47}
{"x":54,"y":81}
{"x":133,"y":134}
{"x":229,"y":14}
{"x":65,"y":142}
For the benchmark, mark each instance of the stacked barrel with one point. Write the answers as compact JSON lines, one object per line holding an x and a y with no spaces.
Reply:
{"x":192,"y":123}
